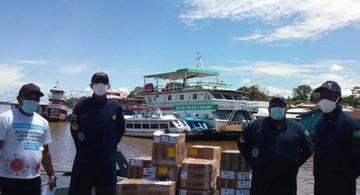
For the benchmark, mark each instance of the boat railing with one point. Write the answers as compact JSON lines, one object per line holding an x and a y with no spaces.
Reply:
{"x":176,"y":86}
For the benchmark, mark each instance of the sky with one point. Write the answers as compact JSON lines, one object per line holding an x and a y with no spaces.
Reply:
{"x":276,"y":44}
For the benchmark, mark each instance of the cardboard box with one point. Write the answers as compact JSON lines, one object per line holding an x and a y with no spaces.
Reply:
{"x":195,"y":192}
{"x":198,"y":174}
{"x":141,"y":168}
{"x":228,"y":191}
{"x":206,"y":152}
{"x":141,"y":186}
{"x":232,"y":179}
{"x":232,"y":160}
{"x":164,"y":173}
{"x":168,"y":149}
{"x":235,"y":184}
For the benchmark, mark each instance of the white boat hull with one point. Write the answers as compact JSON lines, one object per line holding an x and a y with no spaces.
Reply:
{"x":148,"y":133}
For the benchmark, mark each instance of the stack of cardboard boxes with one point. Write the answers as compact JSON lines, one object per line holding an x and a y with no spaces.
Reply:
{"x":197,"y":176}
{"x":206,"y":152}
{"x":142,"y":186}
{"x":167,"y":154}
{"x":234,"y":174}
{"x":141,"y":168}
{"x":199,"y":171}
{"x":167,"y":170}
{"x":164,"y":165}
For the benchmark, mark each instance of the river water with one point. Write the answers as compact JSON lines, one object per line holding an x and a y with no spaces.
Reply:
{"x":63,"y":151}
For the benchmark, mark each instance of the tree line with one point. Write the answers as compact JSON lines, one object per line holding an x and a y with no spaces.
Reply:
{"x":301,"y":94}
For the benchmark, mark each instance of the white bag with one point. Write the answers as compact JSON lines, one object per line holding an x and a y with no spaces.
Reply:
{"x":46,"y":190}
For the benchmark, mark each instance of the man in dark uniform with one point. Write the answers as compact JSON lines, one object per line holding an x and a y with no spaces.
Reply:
{"x":337,"y":145}
{"x":275,"y":147}
{"x":97,"y":125}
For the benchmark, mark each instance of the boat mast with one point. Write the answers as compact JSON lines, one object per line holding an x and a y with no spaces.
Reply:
{"x":199,"y":64}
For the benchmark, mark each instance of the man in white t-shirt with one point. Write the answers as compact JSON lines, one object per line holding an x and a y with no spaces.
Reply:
{"x":24,"y":139}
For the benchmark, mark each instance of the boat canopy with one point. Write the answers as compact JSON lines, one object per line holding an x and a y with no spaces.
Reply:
{"x":184,"y":73}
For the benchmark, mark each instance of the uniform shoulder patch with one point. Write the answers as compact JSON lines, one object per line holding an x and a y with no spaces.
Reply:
{"x":114,"y":117}
{"x":242,"y":139}
{"x":356,"y":133}
{"x":255,"y":152}
{"x":74,"y":126}
{"x":306,"y":132}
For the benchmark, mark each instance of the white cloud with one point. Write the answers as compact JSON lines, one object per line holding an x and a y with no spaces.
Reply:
{"x":282,"y":77}
{"x":123,"y":91}
{"x":290,"y":20}
{"x":32,"y":62}
{"x":80,"y":92}
{"x":245,"y":82}
{"x":10,"y":75}
{"x":266,"y":67}
{"x":336,"y":68}
{"x":73,"y":69}
{"x":279,"y":91}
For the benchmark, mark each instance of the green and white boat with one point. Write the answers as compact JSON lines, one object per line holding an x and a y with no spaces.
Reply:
{"x":197,"y":92}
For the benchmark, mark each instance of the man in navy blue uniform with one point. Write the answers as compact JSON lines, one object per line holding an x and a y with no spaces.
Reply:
{"x":97,"y":125}
{"x":337,"y":145}
{"x":275,"y":147}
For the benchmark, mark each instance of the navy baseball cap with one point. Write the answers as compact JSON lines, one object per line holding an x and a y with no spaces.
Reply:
{"x":278,"y":97}
{"x":30,"y":88}
{"x":331,"y":86}
{"x":100,"y":77}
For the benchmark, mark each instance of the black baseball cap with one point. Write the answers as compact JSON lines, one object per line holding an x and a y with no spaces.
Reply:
{"x":331,"y":86}
{"x":30,"y":88}
{"x":278,"y":97}
{"x":100,"y":77}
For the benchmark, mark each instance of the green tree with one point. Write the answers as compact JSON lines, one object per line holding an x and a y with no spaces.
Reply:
{"x":71,"y":102}
{"x":135,"y":93}
{"x":355,"y":93}
{"x":302,"y":92}
{"x":348,"y":100}
{"x":254,"y":92}
{"x":314,"y":97}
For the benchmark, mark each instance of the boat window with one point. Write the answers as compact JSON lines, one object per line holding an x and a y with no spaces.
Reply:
{"x":217,"y":96}
{"x":222,"y":114}
{"x":169,"y":97}
{"x":194,"y":96}
{"x":145,"y":126}
{"x":191,"y":124}
{"x":137,"y":126}
{"x":164,"y":126}
{"x":181,"y":96}
{"x":172,"y":125}
{"x":181,"y":123}
{"x":154,"y":126}
{"x":239,"y":116}
{"x":129,"y":125}
{"x":196,"y":124}
{"x":228,"y":97}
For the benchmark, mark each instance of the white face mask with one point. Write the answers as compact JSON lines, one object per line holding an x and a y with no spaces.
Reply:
{"x":100,"y":89}
{"x":327,"y":106}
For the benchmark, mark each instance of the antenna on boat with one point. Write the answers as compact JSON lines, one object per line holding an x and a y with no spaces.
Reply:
{"x":199,"y":63}
{"x":57,"y":84}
